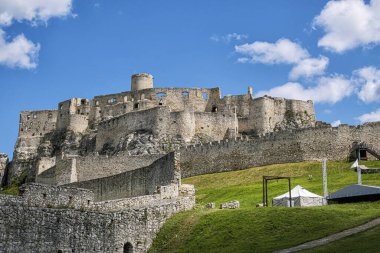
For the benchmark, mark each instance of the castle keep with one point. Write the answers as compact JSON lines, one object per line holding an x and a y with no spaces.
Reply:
{"x":105,"y":173}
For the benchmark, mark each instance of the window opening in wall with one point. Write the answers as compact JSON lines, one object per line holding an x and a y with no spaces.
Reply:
{"x":50,"y":115}
{"x":78,"y":111}
{"x":112,"y":101}
{"x":28,"y":117}
{"x":22,"y":130}
{"x":160,"y":94}
{"x":88,"y":202}
{"x":205,"y":96}
{"x":214,"y":109}
{"x":125,"y":106}
{"x":128,"y":248}
{"x":136,"y":106}
{"x":185,"y":94}
{"x":83,"y":101}
{"x":44,"y":195}
{"x":61,"y":107}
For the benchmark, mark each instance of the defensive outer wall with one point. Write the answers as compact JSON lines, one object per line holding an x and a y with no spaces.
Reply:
{"x":311,"y":144}
{"x":71,"y":222}
{"x":117,"y":216}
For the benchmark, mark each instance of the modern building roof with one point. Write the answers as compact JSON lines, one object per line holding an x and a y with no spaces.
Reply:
{"x":355,"y":190}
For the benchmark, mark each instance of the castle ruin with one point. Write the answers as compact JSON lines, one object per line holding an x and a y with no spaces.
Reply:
{"x":119,"y":159}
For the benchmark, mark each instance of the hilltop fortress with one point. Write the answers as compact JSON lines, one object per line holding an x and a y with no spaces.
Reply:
{"x":119,"y":160}
{"x":146,"y":121}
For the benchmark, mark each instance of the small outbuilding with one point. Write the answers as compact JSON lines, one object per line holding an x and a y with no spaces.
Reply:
{"x":355,"y":193}
{"x":300,"y":197}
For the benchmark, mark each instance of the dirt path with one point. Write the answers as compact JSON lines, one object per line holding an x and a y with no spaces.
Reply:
{"x":332,"y":238}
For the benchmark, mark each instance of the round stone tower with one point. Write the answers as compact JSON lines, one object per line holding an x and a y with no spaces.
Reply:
{"x":141,"y":81}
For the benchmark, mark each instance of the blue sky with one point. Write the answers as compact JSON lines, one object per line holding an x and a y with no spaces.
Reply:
{"x":327,"y":51}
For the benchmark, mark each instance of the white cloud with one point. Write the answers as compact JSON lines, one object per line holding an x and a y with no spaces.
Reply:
{"x":370,"y":117}
{"x":283,"y":51}
{"x":32,"y":10}
{"x":20,"y":52}
{"x":309,"y":67}
{"x":336,"y":123}
{"x":229,"y":37}
{"x":368,"y":80}
{"x":349,"y":24}
{"x":328,"y":90}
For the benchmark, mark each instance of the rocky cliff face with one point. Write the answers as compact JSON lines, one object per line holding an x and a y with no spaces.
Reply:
{"x":3,"y":164}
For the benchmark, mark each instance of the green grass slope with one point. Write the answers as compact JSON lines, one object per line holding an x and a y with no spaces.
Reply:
{"x":252,"y":229}
{"x":365,"y":242}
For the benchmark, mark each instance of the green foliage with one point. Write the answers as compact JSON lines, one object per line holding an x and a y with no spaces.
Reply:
{"x":252,"y":229}
{"x":13,"y":188}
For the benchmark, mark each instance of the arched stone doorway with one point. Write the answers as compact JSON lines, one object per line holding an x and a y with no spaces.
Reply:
{"x":128,"y":248}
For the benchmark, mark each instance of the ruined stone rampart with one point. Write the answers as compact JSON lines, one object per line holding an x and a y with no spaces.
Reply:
{"x":65,"y":221}
{"x":37,"y":123}
{"x":111,"y":131}
{"x":333,"y":143}
{"x":215,"y":124}
{"x":142,"y":181}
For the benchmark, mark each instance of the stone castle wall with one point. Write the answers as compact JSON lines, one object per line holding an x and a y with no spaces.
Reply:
{"x":333,"y":143}
{"x":268,"y":114}
{"x":142,"y":181}
{"x":68,"y":220}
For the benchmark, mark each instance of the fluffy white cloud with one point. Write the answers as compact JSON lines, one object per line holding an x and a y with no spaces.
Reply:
{"x":229,"y":37}
{"x":370,"y":117}
{"x":20,"y":52}
{"x":283,"y":51}
{"x":348,"y":24}
{"x":309,"y":67}
{"x":336,"y":123}
{"x":32,"y":10}
{"x":368,"y":80}
{"x":328,"y":90}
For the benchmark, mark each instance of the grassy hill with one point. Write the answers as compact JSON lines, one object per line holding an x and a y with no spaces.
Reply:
{"x":252,"y":229}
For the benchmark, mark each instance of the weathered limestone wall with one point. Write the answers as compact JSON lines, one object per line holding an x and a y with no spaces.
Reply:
{"x":64,"y":220}
{"x":37,"y":123}
{"x":92,"y":167}
{"x":40,"y":195}
{"x":142,"y":181}
{"x":3,"y":164}
{"x":269,"y":114}
{"x":178,"y":99}
{"x":215,"y":124}
{"x":73,"y":114}
{"x":333,"y":143}
{"x":111,"y":131}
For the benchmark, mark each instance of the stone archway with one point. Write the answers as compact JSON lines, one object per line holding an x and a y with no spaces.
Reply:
{"x":128,"y":248}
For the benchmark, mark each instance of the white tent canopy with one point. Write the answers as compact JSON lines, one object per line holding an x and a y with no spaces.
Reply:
{"x":300,"y":197}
